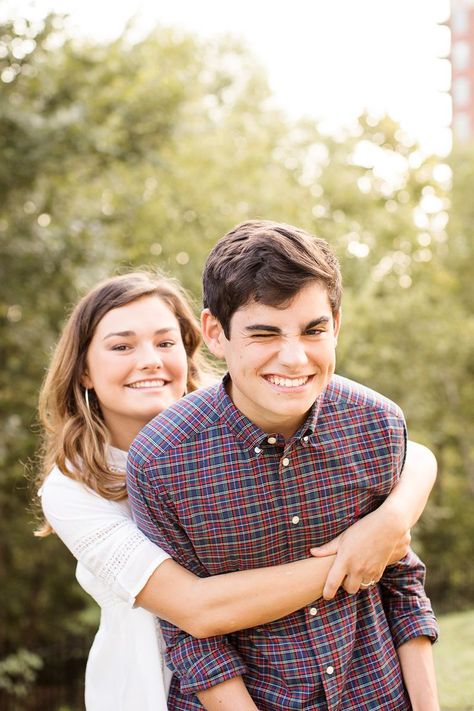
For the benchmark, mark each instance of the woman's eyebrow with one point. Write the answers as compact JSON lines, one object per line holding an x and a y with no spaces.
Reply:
{"x":127,"y":334}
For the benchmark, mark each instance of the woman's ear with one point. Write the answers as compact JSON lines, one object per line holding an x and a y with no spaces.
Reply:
{"x":86,"y":382}
{"x":212,"y":333}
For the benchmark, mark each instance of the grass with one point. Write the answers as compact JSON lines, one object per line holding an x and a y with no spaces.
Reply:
{"x":454,"y":659}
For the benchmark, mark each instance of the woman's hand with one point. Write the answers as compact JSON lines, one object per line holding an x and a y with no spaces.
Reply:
{"x":383,"y":536}
{"x":363,"y":552}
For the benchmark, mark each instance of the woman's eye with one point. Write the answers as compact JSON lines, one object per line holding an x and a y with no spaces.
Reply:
{"x":121,"y":347}
{"x":167,"y":344}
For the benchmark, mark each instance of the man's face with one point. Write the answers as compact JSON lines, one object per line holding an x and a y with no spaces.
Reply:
{"x":279,"y":359}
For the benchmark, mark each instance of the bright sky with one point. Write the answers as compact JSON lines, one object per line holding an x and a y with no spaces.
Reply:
{"x":328,"y":59}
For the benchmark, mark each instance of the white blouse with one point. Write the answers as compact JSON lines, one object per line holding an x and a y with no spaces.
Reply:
{"x":125,"y":670}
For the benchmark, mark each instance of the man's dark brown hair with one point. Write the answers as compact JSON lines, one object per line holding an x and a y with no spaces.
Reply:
{"x":268,"y":262}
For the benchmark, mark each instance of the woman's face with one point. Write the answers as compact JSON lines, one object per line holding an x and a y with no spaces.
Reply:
{"x":136,"y":365}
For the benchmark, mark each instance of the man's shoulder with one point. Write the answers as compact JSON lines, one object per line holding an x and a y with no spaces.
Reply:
{"x":186,"y":420}
{"x":345,"y":394}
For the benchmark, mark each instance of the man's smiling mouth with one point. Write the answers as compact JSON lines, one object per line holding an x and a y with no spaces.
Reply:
{"x":285,"y":382}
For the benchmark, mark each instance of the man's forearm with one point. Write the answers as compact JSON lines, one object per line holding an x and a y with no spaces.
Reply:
{"x":231,"y":695}
{"x":416,"y":661}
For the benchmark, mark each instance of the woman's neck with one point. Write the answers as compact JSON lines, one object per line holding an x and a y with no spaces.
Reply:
{"x":123,"y":434}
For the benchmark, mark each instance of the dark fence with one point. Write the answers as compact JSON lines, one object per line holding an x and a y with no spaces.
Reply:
{"x":55,"y":697}
{"x":59,"y":685}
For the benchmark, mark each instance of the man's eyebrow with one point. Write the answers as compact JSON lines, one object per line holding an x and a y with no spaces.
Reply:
{"x":322,"y":320}
{"x":263,"y":327}
{"x":128,"y":334}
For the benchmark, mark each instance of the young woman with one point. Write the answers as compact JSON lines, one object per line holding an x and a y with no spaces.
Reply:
{"x":129,"y":350}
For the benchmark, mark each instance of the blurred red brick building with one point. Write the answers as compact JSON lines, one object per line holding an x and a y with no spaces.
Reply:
{"x":461,"y":23}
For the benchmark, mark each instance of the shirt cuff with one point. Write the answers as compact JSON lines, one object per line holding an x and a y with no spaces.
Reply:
{"x":422,"y":625}
{"x":201,"y":664}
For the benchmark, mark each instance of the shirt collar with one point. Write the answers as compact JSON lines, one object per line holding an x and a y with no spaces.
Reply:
{"x":248,"y":432}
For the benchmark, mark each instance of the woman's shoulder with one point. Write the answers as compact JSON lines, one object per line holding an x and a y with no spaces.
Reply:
{"x":57,"y":480}
{"x":63,"y":497}
{"x":62,"y":482}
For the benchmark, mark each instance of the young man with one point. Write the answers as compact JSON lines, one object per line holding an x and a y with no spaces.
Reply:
{"x":280,"y":456}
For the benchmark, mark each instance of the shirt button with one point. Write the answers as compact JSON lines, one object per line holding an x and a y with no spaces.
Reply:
{"x":329,"y":670}
{"x":295,"y":520}
{"x":285,"y":461}
{"x":313,"y":611}
{"x":272,"y":440}
{"x":257,"y":450}
{"x":306,"y":439}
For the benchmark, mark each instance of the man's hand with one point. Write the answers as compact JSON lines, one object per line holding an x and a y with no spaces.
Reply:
{"x":363,"y":552}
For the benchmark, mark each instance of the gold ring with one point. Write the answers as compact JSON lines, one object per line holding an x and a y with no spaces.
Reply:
{"x":368,"y":585}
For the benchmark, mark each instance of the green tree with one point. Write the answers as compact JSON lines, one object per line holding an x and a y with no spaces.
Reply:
{"x":112,"y":156}
{"x":145,"y":152}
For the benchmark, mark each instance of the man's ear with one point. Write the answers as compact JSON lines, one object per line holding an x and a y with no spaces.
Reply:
{"x":337,"y":324}
{"x":212,"y":334}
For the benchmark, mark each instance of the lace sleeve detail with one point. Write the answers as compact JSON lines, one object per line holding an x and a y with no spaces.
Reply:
{"x":110,"y":568}
{"x":86,"y":543}
{"x":102,"y":535}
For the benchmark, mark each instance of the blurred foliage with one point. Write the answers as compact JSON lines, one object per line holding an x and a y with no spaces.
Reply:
{"x":144,"y":153}
{"x":18,"y":672}
{"x":454,"y":660}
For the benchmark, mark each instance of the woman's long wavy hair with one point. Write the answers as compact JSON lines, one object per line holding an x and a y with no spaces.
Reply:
{"x":75,"y":437}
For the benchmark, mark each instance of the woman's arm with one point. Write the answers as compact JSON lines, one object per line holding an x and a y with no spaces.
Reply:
{"x":382,"y":537}
{"x":220,"y":604}
{"x":98,"y":531}
{"x":408,"y":498}
{"x":234,"y":601}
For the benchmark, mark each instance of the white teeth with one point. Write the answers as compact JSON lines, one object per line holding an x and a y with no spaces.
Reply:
{"x":287,"y":382}
{"x":147,"y":384}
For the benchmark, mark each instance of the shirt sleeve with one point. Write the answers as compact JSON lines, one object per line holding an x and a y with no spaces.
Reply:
{"x":407,"y":607}
{"x":101,"y":535}
{"x":198,"y":663}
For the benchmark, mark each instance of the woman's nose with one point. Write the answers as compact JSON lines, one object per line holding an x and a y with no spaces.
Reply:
{"x":150,"y":358}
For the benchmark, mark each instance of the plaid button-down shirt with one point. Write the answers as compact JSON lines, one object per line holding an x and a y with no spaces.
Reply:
{"x":219,"y":495}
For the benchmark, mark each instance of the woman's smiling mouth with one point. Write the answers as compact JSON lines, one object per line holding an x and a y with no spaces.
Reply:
{"x":144,"y":384}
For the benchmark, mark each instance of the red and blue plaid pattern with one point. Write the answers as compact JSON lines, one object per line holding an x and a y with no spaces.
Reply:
{"x":219,"y":495}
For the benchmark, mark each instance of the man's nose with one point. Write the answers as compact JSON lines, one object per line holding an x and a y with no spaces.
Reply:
{"x":292,"y":353}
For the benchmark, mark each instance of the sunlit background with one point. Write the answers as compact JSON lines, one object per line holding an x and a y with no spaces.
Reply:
{"x":328,"y":60}
{"x":137,"y":133}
